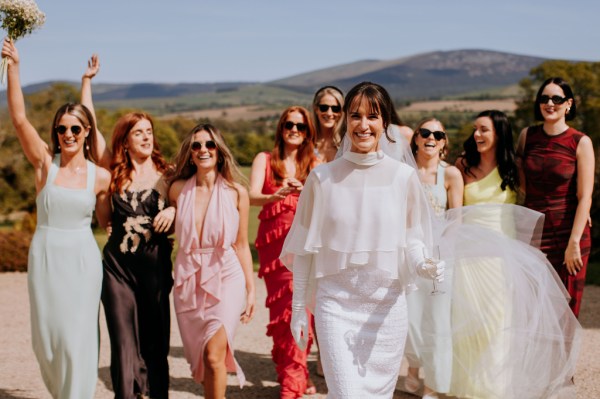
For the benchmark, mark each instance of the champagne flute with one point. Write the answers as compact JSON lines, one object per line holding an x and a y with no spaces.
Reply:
{"x":434,"y":259}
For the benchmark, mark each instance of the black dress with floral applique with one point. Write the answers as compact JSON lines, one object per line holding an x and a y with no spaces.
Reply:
{"x":135,"y":294}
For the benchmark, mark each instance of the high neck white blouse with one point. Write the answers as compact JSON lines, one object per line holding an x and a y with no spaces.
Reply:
{"x":360,"y":210}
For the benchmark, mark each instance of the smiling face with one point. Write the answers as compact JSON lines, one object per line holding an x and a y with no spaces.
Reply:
{"x":329,"y":117}
{"x":429,"y":147}
{"x":140,"y":139}
{"x":551,"y":111}
{"x":69,"y":141}
{"x":296,"y":134}
{"x":365,"y":126}
{"x":204,"y":158}
{"x":485,"y":134}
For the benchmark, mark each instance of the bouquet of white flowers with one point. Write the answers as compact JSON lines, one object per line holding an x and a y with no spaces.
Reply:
{"x":18,"y":18}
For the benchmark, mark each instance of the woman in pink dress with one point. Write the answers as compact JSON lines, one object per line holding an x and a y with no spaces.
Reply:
{"x":214,"y":285}
{"x":275,"y":184}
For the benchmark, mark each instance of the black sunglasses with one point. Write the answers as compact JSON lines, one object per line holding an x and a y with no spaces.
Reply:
{"x":438,"y":135}
{"x":62,"y":129}
{"x":544,"y":99}
{"x":197,"y":145}
{"x":334,"y":108}
{"x":300,"y":126}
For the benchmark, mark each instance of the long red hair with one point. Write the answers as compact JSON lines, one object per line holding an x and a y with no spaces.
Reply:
{"x":306,"y":152}
{"x":121,"y":163}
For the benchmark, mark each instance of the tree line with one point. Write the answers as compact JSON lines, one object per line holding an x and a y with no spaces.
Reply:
{"x":248,"y":137}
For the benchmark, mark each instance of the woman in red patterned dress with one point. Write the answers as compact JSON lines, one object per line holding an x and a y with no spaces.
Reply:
{"x":557,"y":166}
{"x":275,"y":184}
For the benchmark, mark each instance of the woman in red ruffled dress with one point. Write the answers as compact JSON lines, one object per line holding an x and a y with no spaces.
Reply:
{"x":275,"y":184}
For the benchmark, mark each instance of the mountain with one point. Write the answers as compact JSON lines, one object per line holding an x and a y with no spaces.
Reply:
{"x":109,"y":92}
{"x":432,"y":75}
{"x":424,"y":76}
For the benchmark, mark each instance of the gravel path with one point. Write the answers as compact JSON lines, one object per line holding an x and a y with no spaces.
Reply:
{"x":20,"y":378}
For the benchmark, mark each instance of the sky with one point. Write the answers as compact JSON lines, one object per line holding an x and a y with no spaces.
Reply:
{"x":258,"y":40}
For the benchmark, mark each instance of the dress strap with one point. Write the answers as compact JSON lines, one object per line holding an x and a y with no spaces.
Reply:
{"x":91,"y":176}
{"x":53,"y":171}
{"x":439,"y":180}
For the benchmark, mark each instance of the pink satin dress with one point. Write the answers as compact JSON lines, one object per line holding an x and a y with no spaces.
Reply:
{"x":210,"y":287}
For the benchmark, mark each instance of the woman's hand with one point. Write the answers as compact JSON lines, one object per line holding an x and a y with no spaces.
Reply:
{"x":573,"y":259}
{"x":281,"y":193}
{"x":92,"y":68}
{"x":250,"y":302}
{"x":163,"y":220}
{"x":10,"y":51}
{"x":294,"y":183}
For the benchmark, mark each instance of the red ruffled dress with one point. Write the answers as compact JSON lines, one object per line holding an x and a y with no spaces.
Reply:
{"x":275,"y":221}
{"x":550,"y":166}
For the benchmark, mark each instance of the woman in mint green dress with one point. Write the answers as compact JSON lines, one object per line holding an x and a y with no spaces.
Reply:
{"x":64,"y":268}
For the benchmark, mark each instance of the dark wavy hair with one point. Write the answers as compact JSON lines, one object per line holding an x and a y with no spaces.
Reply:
{"x":379,"y":101}
{"x":568,"y":93}
{"x":505,"y":150}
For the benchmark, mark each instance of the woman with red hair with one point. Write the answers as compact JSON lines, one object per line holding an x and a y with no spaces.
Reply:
{"x":275,"y":184}
{"x":137,"y":257}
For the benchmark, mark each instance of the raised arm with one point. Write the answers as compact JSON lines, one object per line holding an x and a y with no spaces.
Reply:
{"x":102,"y":153}
{"x":36,"y":150}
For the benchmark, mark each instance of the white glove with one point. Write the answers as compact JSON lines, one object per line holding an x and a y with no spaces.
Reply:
{"x":431,"y":270}
{"x":299,"y":323}
{"x":299,"y":327}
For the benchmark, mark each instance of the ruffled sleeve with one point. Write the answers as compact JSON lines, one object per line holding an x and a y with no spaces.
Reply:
{"x":350,"y":215}
{"x":302,"y":238}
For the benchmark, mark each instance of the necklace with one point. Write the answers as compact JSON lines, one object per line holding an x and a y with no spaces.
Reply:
{"x":78,"y":170}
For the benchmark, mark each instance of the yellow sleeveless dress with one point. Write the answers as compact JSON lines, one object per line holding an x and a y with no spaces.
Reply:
{"x":480,"y":282}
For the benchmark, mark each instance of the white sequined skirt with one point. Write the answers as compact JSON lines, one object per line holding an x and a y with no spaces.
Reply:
{"x":361,"y":321}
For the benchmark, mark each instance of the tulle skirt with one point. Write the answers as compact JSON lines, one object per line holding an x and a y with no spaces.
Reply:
{"x":511,"y":330}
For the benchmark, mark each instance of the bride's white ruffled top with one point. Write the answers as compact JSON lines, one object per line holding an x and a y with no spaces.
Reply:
{"x":361,"y":210}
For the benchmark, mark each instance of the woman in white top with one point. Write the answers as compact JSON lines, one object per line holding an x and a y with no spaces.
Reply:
{"x":443,"y":185}
{"x":357,"y":242}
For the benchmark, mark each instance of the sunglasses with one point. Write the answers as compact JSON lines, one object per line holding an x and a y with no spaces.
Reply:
{"x":544,"y":99}
{"x":438,"y":135}
{"x":334,"y":108}
{"x":300,"y":126}
{"x":62,"y":129}
{"x":197,"y":145}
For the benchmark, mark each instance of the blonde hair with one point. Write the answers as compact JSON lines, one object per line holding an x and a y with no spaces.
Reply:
{"x":339,"y":97}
